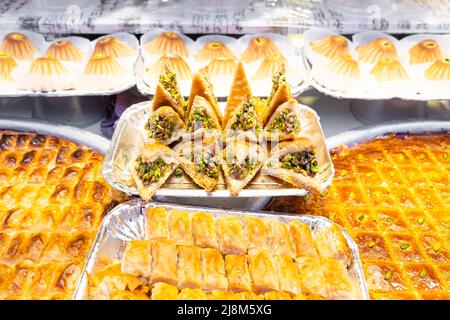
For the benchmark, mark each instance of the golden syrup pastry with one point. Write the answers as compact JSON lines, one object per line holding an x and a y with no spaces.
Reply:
{"x":331,"y":47}
{"x":244,"y":122}
{"x":167,"y":93}
{"x":167,"y":43}
{"x":202,"y":87}
{"x":389,"y":70}
{"x":152,"y":167}
{"x":114,"y":48}
{"x":7,"y":64}
{"x":439,"y":71}
{"x":296,"y":163}
{"x":102,"y":65}
{"x":260,"y":48}
{"x":391,"y":195}
{"x":202,"y":117}
{"x":269,"y":66}
{"x":221,"y":67}
{"x":175,"y":63}
{"x":53,"y":198}
{"x":285,"y":123}
{"x":47,"y":66}
{"x":279,"y":94}
{"x":225,"y":257}
{"x":240,"y":91}
{"x":18,"y":46}
{"x":425,"y":51}
{"x":376,"y":50}
{"x":241,"y":162}
{"x":215,"y":50}
{"x":65,"y":50}
{"x":164,"y":125}
{"x":345,"y":66}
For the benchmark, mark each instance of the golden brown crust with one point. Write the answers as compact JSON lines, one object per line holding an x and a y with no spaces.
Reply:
{"x":282,"y":95}
{"x":201,"y":86}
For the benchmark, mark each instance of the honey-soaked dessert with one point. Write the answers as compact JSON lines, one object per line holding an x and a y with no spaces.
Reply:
{"x":392,"y":195}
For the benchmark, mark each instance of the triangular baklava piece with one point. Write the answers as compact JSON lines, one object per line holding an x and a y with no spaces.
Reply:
{"x":167,"y":93}
{"x":202,"y":86}
{"x":239,"y":92}
{"x":152,"y":168}
{"x":202,"y":117}
{"x":285,"y":123}
{"x":280,"y":93}
{"x":296,"y":163}
{"x":244,"y":121}
{"x":165,"y":125}
{"x":241,"y":161}
{"x":200,"y":159}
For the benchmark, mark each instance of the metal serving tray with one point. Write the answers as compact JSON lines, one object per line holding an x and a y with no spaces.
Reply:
{"x":128,"y":139}
{"x":73,"y":134}
{"x":126,"y":222}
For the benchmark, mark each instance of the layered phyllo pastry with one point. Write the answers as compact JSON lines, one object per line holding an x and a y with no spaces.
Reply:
{"x":19,"y":46}
{"x":152,"y":168}
{"x":103,"y":65}
{"x":376,"y":50}
{"x":167,"y":43}
{"x":215,"y":50}
{"x":244,"y":122}
{"x":221,"y":67}
{"x":260,"y":48}
{"x":388,"y":70}
{"x":7,"y":64}
{"x":202,"y":117}
{"x":439,"y":71}
{"x":65,"y":50}
{"x":201,"y":161}
{"x":175,"y":63}
{"x":269,"y":66}
{"x":285,"y":122}
{"x":296,"y":163}
{"x":240,"y":91}
{"x":331,"y":46}
{"x":114,"y":48}
{"x":167,"y":93}
{"x":164,"y":125}
{"x":241,"y":162}
{"x":425,"y":51}
{"x":203,"y":87}
{"x":279,"y":94}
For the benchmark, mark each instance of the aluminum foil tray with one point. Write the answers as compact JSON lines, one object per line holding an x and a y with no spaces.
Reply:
{"x":126,"y":222}
{"x":128,"y":139}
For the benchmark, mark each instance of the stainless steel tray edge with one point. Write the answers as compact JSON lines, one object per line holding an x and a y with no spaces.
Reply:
{"x":139,"y":204}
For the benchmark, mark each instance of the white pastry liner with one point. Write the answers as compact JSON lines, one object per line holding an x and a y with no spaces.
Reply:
{"x":74,"y":83}
{"x":127,"y":222}
{"x":366,"y":87}
{"x":129,"y":137}
{"x":296,"y":73}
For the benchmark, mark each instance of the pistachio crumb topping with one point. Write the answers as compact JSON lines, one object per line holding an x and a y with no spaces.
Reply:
{"x":160,"y":126}
{"x":303,"y":162}
{"x":151,"y":172}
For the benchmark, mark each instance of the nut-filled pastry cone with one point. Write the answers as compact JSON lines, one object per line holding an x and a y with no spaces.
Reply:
{"x":165,"y":125}
{"x":285,"y":122}
{"x":167,"y":93}
{"x":202,"y":117}
{"x":244,"y":122}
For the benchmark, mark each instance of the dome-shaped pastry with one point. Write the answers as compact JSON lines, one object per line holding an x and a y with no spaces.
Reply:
{"x":18,"y":46}
{"x":377,"y":50}
{"x":7,"y":64}
{"x":47,"y":66}
{"x":269,"y":66}
{"x":175,"y":63}
{"x":167,"y":43}
{"x":331,"y":46}
{"x":221,"y":67}
{"x":113,"y":47}
{"x":345,"y":65}
{"x":65,"y":50}
{"x":260,"y":48}
{"x":102,"y":65}
{"x":439,"y":71}
{"x":389,"y":70}
{"x":215,"y":50}
{"x":425,"y":51}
